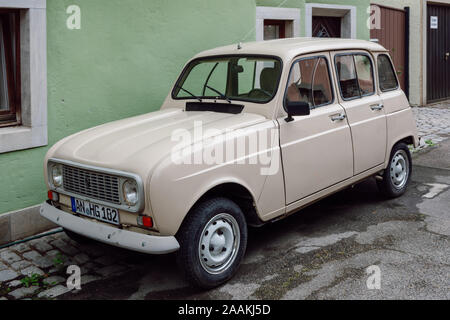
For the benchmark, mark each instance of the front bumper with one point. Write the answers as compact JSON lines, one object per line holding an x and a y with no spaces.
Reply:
{"x":120,"y":238}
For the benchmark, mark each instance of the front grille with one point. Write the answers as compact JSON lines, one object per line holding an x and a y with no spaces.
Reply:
{"x":91,"y":184}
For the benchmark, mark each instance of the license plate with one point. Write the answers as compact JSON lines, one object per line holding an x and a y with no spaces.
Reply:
{"x":95,"y":211}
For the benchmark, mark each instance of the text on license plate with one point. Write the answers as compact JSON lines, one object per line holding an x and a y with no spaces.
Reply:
{"x":95,"y":211}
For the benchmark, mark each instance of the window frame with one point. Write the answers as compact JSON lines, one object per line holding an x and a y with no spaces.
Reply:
{"x":393,"y":69}
{"x":262,"y":56}
{"x":353,"y":54}
{"x":330,"y":77}
{"x":12,"y":117}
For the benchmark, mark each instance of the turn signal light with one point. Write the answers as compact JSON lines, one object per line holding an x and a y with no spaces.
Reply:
{"x":145,"y":221}
{"x":53,"y":196}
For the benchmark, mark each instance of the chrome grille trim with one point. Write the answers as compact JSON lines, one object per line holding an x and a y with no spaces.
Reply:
{"x":102,"y":193}
{"x":91,"y":184}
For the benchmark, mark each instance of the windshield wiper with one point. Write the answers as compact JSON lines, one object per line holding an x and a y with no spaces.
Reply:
{"x":221,"y":94}
{"x":189,"y":93}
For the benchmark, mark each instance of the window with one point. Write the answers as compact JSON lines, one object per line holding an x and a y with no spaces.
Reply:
{"x":386,"y":73}
{"x":355,"y":75}
{"x":9,"y":67}
{"x":242,"y":78}
{"x":309,"y":82}
{"x":23,"y":75}
{"x":274,"y":29}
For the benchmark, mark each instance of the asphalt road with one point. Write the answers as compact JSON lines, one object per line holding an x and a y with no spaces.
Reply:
{"x":323,"y":252}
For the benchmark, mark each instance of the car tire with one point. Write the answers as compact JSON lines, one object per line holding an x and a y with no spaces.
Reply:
{"x":398,"y":173}
{"x":78,"y":238}
{"x":213,"y":240}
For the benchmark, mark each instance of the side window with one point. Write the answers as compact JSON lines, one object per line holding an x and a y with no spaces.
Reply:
{"x":386,"y":73}
{"x":348,"y":81}
{"x":355,"y":73}
{"x":364,"y":71}
{"x":309,"y":82}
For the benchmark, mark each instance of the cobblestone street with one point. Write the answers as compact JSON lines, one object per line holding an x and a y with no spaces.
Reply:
{"x":37,"y":269}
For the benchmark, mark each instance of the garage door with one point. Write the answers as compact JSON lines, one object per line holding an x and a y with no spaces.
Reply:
{"x":392,"y":36}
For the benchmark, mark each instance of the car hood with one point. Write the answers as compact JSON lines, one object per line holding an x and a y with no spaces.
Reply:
{"x":143,"y":141}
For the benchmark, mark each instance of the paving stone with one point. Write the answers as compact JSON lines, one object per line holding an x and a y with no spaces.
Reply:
{"x":3,"y":266}
{"x":54,"y":280}
{"x":53,"y":292}
{"x":31,"y":271}
{"x":19,"y":265}
{"x":8,"y":274}
{"x":111,"y":270}
{"x":41,"y":245}
{"x":23,"y":292}
{"x":88,"y":267}
{"x":106,"y":260}
{"x":14,"y":284}
{"x":64,"y":247}
{"x":81,"y":258}
{"x":21,"y":247}
{"x":38,"y":259}
{"x":3,"y":298}
{"x":9,"y":257}
{"x":92,"y":250}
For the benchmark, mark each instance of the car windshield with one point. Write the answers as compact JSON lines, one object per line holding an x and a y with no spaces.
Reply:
{"x":242,"y":78}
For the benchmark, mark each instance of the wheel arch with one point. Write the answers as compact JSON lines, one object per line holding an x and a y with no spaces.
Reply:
{"x":236,"y":193}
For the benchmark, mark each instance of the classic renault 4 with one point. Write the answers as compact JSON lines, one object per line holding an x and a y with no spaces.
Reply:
{"x":249,"y":134}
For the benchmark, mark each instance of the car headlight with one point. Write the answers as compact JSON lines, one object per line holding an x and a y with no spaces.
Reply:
{"x":57,"y":175}
{"x":130,"y":192}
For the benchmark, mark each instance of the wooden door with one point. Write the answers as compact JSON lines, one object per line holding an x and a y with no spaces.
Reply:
{"x":392,"y":36}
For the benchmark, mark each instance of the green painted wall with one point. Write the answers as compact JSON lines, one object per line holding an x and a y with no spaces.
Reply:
{"x":121,"y":63}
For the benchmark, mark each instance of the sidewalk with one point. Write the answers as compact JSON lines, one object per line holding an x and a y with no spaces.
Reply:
{"x":37,"y":269}
{"x":433,"y":123}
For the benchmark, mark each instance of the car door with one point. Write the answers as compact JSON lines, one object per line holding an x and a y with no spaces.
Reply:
{"x":364,"y":108}
{"x":316,"y":149}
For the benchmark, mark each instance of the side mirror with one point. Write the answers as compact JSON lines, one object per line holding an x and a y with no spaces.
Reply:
{"x":297,"y":108}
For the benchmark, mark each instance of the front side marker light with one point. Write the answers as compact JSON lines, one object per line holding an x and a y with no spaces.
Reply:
{"x":146,"y":222}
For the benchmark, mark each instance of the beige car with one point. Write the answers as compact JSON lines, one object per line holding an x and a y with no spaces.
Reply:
{"x":249,"y":133}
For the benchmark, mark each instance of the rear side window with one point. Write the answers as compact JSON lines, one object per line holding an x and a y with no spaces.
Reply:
{"x":310,"y":82}
{"x":355,"y":73}
{"x":386,"y":73}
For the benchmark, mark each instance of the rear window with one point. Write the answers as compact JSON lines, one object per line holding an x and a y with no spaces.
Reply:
{"x":386,"y":72}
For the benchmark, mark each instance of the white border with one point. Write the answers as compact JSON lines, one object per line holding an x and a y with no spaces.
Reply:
{"x":274,"y":13}
{"x":33,"y":41}
{"x":349,"y":9}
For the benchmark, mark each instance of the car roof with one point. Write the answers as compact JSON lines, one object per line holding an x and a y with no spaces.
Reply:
{"x":288,"y":49}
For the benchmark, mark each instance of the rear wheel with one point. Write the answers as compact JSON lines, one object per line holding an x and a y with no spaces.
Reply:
{"x":212,"y":240}
{"x":397,"y":175}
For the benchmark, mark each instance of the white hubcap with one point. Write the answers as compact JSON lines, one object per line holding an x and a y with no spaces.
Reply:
{"x":219,"y":243}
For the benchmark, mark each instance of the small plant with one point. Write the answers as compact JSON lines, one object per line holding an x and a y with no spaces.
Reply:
{"x":430,"y":142}
{"x":59,"y":260}
{"x":33,"y":280}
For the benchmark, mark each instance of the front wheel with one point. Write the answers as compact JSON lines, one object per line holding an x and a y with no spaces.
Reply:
{"x":213,"y":240}
{"x":397,"y":175}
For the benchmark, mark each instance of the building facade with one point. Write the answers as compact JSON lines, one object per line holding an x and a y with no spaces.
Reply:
{"x":426,"y":31}
{"x":68,"y":65}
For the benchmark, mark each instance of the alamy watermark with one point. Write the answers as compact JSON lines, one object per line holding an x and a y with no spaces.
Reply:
{"x":210,"y":146}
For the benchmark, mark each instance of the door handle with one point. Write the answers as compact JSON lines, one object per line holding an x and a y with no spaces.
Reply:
{"x":377,"y":107}
{"x":447,"y":55}
{"x":339,"y":117}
